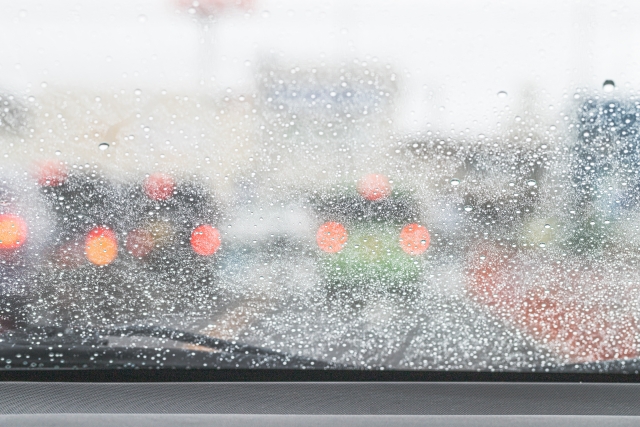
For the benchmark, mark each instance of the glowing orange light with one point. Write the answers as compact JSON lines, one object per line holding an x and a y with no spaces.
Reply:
{"x":205,"y":240}
{"x":13,"y":231}
{"x":139,"y":243}
{"x":101,"y":246}
{"x":159,"y":186}
{"x":331,"y":237}
{"x":51,"y":174}
{"x":414,"y":239}
{"x":374,"y":187}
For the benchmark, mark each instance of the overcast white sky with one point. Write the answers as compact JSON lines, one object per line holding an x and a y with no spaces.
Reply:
{"x":452,"y":57}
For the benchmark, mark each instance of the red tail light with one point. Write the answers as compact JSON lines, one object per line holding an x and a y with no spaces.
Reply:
{"x":101,"y":246}
{"x":13,"y":232}
{"x":205,"y":240}
{"x":331,"y":237}
{"x":414,"y":239}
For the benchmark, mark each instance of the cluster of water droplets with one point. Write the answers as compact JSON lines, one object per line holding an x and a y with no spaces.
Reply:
{"x":340,"y":238}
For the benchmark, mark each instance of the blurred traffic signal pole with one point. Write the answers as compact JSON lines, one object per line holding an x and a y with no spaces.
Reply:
{"x":206,"y":13}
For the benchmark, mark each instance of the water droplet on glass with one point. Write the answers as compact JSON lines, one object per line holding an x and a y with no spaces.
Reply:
{"x":142,"y":19}
{"x":502,"y":94}
{"x":137,"y":92}
{"x":58,"y":152}
{"x":547,"y":226}
{"x":22,"y":13}
{"x":265,"y":14}
{"x":608,"y":85}
{"x":43,"y":84}
{"x":531,"y":182}
{"x":455,"y":181}
{"x":542,"y":245}
{"x":103,"y":146}
{"x":468,"y":208}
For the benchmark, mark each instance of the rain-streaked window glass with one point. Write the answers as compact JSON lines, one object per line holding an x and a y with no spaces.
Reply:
{"x":330,"y":184}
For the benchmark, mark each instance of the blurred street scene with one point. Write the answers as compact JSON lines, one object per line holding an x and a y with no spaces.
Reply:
{"x":314,"y":198}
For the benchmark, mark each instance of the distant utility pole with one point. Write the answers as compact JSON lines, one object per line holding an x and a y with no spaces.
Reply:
{"x":205,"y":14}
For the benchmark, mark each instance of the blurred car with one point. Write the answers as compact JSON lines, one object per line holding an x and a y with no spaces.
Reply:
{"x":496,"y":185}
{"x":127,"y":250}
{"x":576,"y":312}
{"x":370,"y":236}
